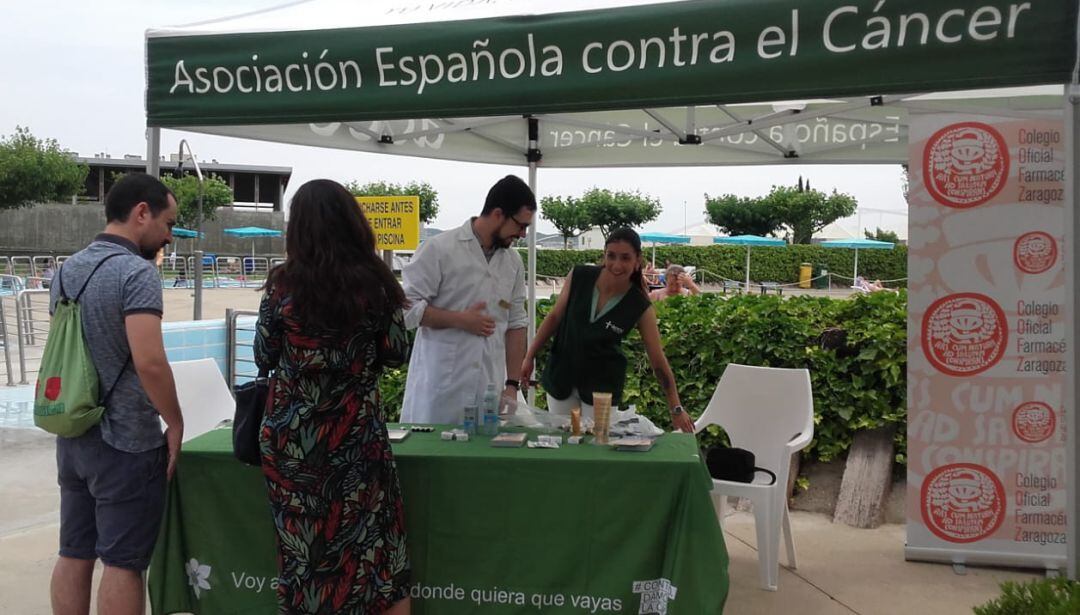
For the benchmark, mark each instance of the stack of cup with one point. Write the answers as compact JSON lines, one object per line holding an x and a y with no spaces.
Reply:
{"x":601,"y":416}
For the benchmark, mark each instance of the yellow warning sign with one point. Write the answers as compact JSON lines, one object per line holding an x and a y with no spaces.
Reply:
{"x":395,"y":220}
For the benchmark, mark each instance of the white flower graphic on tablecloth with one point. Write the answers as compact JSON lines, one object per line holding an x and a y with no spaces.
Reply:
{"x":198,"y":576}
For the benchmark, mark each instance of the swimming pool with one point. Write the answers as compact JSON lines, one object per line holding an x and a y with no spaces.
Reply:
{"x":184,"y":341}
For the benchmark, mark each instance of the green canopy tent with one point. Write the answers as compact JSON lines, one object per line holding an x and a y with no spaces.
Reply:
{"x":252,"y":232}
{"x":664,"y":239}
{"x":857,"y":244}
{"x":616,"y":82}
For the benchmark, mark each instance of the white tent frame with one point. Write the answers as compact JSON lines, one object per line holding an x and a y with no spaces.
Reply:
{"x":687,"y":130}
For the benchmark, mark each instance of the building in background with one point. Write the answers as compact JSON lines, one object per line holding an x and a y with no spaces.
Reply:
{"x":255,"y":188}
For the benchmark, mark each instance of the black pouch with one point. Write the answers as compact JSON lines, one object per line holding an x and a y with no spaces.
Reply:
{"x":251,"y":400}
{"x":733,"y":464}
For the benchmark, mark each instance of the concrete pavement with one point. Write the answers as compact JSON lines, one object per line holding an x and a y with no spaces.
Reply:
{"x":841,"y":571}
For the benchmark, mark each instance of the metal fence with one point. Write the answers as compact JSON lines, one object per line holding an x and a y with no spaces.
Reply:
{"x":5,"y":342}
{"x":237,"y":368}
{"x":30,"y":332}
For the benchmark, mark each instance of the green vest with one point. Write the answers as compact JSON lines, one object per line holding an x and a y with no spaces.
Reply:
{"x":587,"y":355}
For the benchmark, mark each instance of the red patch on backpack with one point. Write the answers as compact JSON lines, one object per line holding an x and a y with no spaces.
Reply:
{"x":52,"y":388}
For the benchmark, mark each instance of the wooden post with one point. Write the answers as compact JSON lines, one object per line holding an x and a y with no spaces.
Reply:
{"x":867,"y":479}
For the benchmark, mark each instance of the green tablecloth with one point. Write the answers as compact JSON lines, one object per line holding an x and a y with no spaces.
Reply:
{"x":580,"y":529}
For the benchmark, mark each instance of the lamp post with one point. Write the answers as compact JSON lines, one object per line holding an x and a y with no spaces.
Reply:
{"x":197,"y":310}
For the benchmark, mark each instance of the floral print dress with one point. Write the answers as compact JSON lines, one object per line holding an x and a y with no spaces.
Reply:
{"x":326,"y":456}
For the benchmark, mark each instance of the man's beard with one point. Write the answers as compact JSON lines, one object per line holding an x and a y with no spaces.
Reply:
{"x":499,"y":243}
{"x":149,"y":253}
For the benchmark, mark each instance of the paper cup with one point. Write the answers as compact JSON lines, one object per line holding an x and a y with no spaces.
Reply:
{"x":602,"y":416}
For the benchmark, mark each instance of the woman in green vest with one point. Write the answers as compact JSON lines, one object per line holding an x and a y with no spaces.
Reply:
{"x":595,"y":311}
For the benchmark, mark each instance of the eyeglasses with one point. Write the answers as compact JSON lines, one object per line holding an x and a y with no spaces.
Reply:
{"x":522,"y":225}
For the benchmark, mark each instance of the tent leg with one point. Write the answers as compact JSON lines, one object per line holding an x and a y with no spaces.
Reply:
{"x":153,"y":151}
{"x":855,"y":274}
{"x":532,"y":271}
{"x":1072,"y":277}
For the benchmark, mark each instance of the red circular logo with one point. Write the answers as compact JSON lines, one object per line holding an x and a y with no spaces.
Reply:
{"x":1033,"y":421}
{"x":962,"y":502}
{"x":964,"y":334}
{"x":965,"y":164}
{"x":1035,"y":252}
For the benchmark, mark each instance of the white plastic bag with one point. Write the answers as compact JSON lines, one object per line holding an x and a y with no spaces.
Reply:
{"x":521,"y":414}
{"x":629,"y":423}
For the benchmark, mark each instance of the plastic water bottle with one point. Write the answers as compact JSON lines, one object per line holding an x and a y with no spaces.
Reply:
{"x":490,"y":410}
{"x":472,"y":416}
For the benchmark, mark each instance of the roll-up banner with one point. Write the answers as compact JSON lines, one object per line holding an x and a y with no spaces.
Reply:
{"x":988,"y":354}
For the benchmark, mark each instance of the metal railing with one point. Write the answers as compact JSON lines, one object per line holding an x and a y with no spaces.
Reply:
{"x":22,"y":266}
{"x":236,"y":367}
{"x":5,"y":345}
{"x":41,"y":264}
{"x":208,"y":266}
{"x":32,"y":329}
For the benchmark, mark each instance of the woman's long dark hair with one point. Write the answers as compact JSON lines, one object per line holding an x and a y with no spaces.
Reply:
{"x":628,"y":235}
{"x":333,"y":273}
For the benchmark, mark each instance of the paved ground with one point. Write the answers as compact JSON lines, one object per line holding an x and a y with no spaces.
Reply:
{"x":841,"y":570}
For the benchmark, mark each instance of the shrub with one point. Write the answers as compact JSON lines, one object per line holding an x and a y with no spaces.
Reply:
{"x":701,"y":335}
{"x":1058,"y":596}
{"x":766,"y":264}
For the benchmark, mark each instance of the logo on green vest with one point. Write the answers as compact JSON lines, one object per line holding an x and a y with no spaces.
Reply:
{"x":198,"y":576}
{"x":613,"y":327}
{"x":655,"y":595}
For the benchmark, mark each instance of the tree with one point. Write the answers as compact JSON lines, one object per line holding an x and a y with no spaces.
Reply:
{"x":429,"y":198}
{"x":567,"y":214}
{"x":880,"y":234}
{"x":36,"y":170}
{"x":216,"y":193}
{"x":609,"y":210}
{"x":808,"y":211}
{"x":736,"y":215}
{"x":800,"y":209}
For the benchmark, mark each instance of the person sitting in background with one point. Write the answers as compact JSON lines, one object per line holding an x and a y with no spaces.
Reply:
{"x":862,"y":284}
{"x":651,"y":275}
{"x":678,"y":282}
{"x":47,"y":276}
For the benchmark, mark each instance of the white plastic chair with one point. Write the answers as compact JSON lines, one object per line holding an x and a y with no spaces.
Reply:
{"x":770,"y":412}
{"x":205,"y":399}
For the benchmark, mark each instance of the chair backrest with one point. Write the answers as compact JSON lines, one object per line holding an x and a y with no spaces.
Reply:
{"x":762,"y":409}
{"x":205,"y":399}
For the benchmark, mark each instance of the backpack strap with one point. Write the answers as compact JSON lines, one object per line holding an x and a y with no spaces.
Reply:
{"x":91,"y":276}
{"x":60,"y":278}
{"x":64,"y":296}
{"x":123,"y":368}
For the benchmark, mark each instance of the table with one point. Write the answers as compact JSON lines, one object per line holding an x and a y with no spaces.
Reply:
{"x":580,"y":529}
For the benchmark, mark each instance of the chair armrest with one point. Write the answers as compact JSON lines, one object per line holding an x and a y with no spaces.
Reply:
{"x":700,"y":424}
{"x":799,"y":442}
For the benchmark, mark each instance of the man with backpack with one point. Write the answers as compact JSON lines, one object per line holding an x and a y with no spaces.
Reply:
{"x":112,"y":458}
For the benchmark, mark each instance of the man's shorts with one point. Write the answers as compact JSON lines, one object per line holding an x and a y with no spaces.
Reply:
{"x":111,"y":501}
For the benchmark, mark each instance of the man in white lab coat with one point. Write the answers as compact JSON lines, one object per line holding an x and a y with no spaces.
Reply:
{"x":466,"y":289}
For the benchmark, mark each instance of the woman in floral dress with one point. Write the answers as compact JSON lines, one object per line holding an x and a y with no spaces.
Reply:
{"x":329,"y":321}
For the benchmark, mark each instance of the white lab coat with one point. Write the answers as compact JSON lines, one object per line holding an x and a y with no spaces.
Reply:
{"x":451,"y":367}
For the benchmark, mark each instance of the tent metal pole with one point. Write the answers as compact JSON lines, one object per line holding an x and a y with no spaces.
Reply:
{"x":153,"y":152}
{"x":855,"y":274}
{"x":1072,"y":285}
{"x":533,"y":158}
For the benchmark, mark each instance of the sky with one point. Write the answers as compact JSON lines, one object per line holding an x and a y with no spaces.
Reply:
{"x":74,"y":72}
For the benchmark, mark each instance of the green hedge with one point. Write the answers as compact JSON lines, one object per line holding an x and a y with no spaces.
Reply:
{"x":1057,"y":596}
{"x":703,"y":334}
{"x":766,"y":264}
